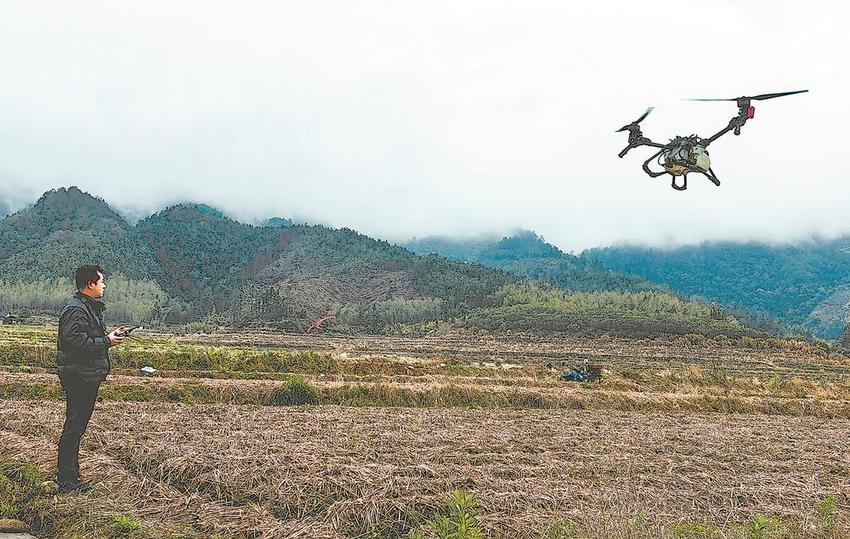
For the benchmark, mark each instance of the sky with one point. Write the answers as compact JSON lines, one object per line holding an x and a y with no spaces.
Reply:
{"x":404,"y":118}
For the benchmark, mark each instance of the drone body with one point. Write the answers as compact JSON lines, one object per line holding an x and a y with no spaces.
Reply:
{"x":685,"y":155}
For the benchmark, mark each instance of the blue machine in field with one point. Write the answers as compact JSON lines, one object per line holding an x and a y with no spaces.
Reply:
{"x":586,"y":372}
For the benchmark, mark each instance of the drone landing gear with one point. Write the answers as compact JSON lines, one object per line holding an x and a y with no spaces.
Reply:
{"x":652,"y":174}
{"x":710,"y":175}
{"x":648,"y":161}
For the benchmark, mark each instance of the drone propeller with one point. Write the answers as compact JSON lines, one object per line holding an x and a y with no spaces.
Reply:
{"x":755,"y":97}
{"x":636,"y":122}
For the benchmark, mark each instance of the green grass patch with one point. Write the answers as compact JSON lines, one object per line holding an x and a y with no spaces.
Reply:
{"x":565,"y":529}
{"x":8,"y":509}
{"x":124,"y":526}
{"x":695,"y":530}
{"x":296,"y":391}
{"x":460,"y":520}
{"x":762,"y":527}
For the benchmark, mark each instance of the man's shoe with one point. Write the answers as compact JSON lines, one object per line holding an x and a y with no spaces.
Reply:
{"x":74,"y":486}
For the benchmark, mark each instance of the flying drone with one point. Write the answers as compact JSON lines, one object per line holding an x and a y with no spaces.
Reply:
{"x":684,"y":155}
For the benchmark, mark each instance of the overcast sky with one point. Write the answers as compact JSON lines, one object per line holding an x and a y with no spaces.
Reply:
{"x":404,"y":118}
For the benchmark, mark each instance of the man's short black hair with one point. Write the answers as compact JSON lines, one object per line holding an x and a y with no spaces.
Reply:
{"x":86,"y":274}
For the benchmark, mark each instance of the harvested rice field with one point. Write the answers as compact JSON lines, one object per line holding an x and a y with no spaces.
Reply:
{"x":330,"y":471}
{"x":313,"y":437}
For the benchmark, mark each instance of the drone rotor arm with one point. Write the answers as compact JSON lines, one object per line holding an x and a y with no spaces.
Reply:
{"x":732,"y":125}
{"x":735,"y":125}
{"x":639,"y":141}
{"x":745,"y":112}
{"x":653,"y":144}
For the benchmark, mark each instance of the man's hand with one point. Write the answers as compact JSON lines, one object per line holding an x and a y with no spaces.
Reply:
{"x":117,"y":336}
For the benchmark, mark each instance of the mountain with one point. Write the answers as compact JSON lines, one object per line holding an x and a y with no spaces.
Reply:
{"x":65,"y":229}
{"x":191,"y":262}
{"x":805,"y":284}
{"x":573,"y":285}
{"x":202,"y":252}
{"x":314,"y":270}
{"x":528,"y":255}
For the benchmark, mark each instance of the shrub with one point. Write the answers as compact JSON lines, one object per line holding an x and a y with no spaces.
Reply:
{"x":460,"y":523}
{"x":293,"y":392}
{"x":695,"y":339}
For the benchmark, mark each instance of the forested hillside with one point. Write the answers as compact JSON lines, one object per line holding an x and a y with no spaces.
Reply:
{"x":63,"y":230}
{"x":577,"y":295}
{"x":528,"y":255}
{"x":202,"y":252}
{"x":191,"y":264}
{"x":806,"y":284}
{"x":364,"y":283}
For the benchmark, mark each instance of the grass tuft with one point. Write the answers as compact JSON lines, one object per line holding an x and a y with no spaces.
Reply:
{"x":123,"y":526}
{"x":294,"y":392}
{"x":762,"y":527}
{"x":828,"y":511}
{"x":8,"y":509}
{"x":695,"y":530}
{"x":461,"y":522}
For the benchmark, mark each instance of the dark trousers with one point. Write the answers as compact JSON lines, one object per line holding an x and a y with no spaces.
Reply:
{"x":81,"y":394}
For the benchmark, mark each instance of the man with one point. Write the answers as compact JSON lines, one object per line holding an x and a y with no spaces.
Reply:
{"x":83,"y":363}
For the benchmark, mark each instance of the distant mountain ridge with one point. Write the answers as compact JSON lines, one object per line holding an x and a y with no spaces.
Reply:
{"x":190,"y":262}
{"x":805,"y":284}
{"x":526,"y":254}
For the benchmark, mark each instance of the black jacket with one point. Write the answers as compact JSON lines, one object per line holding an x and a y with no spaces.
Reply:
{"x":82,"y":344}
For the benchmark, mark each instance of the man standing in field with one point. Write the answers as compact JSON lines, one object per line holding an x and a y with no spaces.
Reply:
{"x":83,"y":363}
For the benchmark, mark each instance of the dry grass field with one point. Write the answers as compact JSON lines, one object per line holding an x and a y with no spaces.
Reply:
{"x":683,"y":438}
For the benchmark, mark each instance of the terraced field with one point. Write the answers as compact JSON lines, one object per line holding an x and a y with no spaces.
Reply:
{"x":681,"y":438}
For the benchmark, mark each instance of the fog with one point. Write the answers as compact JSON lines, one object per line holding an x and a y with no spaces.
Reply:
{"x":401,"y":118}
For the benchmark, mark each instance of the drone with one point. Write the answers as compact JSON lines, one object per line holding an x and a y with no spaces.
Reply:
{"x":685,"y":155}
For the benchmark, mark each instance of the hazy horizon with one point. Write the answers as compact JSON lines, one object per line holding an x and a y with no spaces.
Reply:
{"x":487,"y":235}
{"x":402,"y":119}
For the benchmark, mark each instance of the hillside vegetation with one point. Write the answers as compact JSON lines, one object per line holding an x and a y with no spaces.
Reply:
{"x":575,"y":295}
{"x":804,"y":284}
{"x":62,"y":231}
{"x":528,"y":255}
{"x":190,"y":264}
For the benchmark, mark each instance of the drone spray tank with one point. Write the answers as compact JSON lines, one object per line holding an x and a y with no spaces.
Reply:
{"x":685,"y":154}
